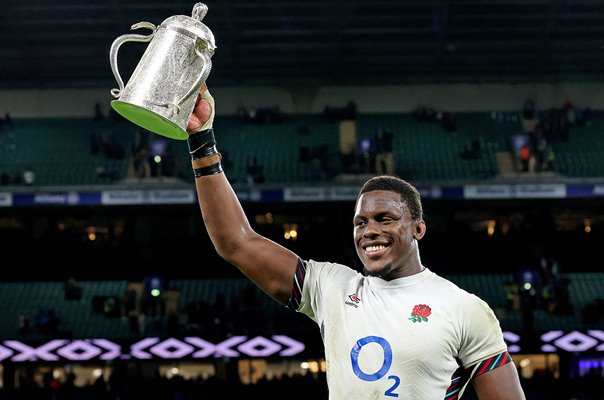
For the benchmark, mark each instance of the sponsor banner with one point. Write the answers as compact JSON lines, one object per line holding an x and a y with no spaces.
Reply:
{"x":89,"y":198}
{"x":546,"y":191}
{"x":135,"y":197}
{"x":171,"y":197}
{"x":275,"y":346}
{"x":272,"y":195}
{"x":524,"y":191}
{"x":241,"y":346}
{"x":298,"y":194}
{"x":304,"y":194}
{"x":557,"y":341}
{"x":47,"y":199}
{"x":342,"y":193}
{"x":598,"y":190}
{"x":487,"y":192}
{"x":6,"y":199}
{"x":447,"y":192}
{"x":581,"y":191}
{"x":122,"y":197}
{"x":55,"y":198}
{"x":252,"y":195}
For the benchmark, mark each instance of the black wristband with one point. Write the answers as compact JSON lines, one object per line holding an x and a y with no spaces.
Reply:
{"x":211,"y":170}
{"x":204,"y":152}
{"x":202,"y":144}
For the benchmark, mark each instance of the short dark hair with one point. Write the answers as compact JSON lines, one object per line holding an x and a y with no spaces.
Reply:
{"x":409,"y":194}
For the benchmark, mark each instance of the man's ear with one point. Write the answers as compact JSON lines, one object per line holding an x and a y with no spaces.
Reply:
{"x":419,"y":229}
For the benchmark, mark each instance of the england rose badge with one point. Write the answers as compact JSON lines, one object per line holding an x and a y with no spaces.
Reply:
{"x":420,"y":313}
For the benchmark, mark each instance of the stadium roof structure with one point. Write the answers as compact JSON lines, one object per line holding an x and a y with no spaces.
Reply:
{"x":57,"y":43}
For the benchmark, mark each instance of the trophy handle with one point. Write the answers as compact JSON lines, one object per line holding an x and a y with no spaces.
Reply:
{"x":205,"y":71}
{"x":115,"y":47}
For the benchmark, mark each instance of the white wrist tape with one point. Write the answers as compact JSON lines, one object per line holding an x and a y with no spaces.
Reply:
{"x":205,"y":95}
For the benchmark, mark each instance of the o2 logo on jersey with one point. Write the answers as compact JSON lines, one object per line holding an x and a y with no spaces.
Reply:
{"x":354,"y":358}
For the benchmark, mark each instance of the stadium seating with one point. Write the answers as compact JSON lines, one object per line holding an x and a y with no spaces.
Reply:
{"x":86,"y":317}
{"x":583,"y":154}
{"x":59,"y":150}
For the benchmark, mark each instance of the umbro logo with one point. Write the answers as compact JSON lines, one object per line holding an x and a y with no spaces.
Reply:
{"x":354,"y":300}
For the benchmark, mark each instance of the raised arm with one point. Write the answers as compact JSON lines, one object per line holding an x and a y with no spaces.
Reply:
{"x":268,"y":264}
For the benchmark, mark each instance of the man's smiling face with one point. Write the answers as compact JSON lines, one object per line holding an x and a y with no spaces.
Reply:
{"x":384,"y":234}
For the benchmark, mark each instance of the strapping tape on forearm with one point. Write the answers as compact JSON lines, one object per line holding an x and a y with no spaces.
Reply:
{"x":202,"y":144}
{"x":211,"y":170}
{"x":205,"y":159}
{"x":208,"y":165}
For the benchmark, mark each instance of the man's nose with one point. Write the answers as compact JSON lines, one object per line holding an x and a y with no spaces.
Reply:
{"x":371,"y":229}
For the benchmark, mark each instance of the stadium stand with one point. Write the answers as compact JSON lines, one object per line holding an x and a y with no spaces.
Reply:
{"x":62,"y":151}
{"x":90,"y":316}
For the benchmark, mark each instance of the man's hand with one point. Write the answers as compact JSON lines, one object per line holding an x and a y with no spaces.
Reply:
{"x":203,"y":112}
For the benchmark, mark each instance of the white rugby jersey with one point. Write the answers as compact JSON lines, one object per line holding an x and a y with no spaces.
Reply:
{"x":402,"y":339}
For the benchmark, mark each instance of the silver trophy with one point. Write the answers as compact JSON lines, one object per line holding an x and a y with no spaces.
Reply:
{"x":162,"y":90}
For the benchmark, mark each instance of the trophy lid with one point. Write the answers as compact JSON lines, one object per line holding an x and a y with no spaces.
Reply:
{"x":193,"y":26}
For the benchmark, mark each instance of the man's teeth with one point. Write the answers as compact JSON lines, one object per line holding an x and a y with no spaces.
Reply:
{"x":371,"y":249}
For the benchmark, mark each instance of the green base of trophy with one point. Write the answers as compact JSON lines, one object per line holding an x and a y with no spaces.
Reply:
{"x":149,"y":120}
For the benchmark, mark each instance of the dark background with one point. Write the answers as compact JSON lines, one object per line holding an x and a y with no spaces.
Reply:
{"x":55,"y":43}
{"x":136,"y":240}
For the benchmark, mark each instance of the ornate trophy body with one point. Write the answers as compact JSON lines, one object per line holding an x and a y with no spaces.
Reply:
{"x":162,"y":90}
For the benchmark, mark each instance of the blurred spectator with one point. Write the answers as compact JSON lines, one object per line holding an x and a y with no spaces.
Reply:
{"x":318,"y":163}
{"x":104,"y":174}
{"x":6,"y":124}
{"x":471,"y":150}
{"x":140,"y":163}
{"x":130,"y":300}
{"x":366,"y":152}
{"x":111,"y":147}
{"x":142,"y":139}
{"x":24,"y":324}
{"x":555,"y":125}
{"x":111,"y":307}
{"x":529,"y":116}
{"x":550,"y":158}
{"x":569,"y":109}
{"x":384,"y":159}
{"x":5,"y":179}
{"x":47,"y":321}
{"x":254,"y":171}
{"x":424,"y":114}
{"x":449,"y":122}
{"x":512,"y":298}
{"x":539,"y":145}
{"x":98,"y":113}
{"x":525,"y":156}
{"x":29,"y":177}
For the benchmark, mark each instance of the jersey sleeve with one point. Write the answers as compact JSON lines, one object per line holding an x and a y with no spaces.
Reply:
{"x":311,"y":283}
{"x":481,"y":336}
